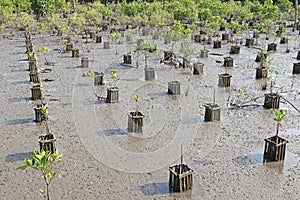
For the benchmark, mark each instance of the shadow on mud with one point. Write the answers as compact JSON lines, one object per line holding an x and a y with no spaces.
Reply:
{"x":10,"y":158}
{"x":112,"y":132}
{"x":194,"y":120}
{"x":19,"y":121}
{"x":158,"y":94}
{"x":19,"y":82}
{"x":15,"y":100}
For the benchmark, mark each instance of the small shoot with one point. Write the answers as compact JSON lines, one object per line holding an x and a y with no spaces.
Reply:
{"x":136,"y":99}
{"x":42,"y":89}
{"x":44,"y":109}
{"x":189,"y":78}
{"x":114,"y":75}
{"x":43,"y":49}
{"x":89,"y":74}
{"x":279,"y":116}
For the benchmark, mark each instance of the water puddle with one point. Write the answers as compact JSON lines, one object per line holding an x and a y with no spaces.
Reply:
{"x":163,"y":189}
{"x":256,"y":158}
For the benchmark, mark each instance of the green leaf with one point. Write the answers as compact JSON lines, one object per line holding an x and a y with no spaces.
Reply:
{"x":28,"y":162}
{"x":35,"y":160}
{"x":39,"y":157}
{"x":22,"y":167}
{"x":279,"y":115}
{"x":276,"y":71}
{"x":52,"y":175}
{"x":43,"y":190}
{"x":113,"y":74}
{"x":48,"y":171}
{"x":136,"y":98}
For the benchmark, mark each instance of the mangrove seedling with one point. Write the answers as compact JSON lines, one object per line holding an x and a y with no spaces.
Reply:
{"x":42,"y":89}
{"x":116,"y":38}
{"x":136,"y":99}
{"x":44,"y":109}
{"x":89,"y":74}
{"x":189,"y":78}
{"x":41,"y":161}
{"x":146,"y":47}
{"x":83,"y":47}
{"x":175,"y":33}
{"x":43,"y":50}
{"x":279,"y":115}
{"x":113,"y":75}
{"x":187,"y":51}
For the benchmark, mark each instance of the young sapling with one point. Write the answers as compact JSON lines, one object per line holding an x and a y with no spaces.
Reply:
{"x":279,"y":115}
{"x":41,"y":161}
{"x":189,"y":78}
{"x":43,"y":50}
{"x":113,"y":75}
{"x":136,"y":99}
{"x":115,"y":37}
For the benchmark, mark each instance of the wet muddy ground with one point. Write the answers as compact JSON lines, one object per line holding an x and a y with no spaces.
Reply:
{"x":104,"y":161}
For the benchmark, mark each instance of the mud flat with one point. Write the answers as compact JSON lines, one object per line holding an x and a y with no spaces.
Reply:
{"x":104,"y":161}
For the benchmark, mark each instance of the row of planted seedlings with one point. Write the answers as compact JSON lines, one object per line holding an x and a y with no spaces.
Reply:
{"x":42,"y":159}
{"x":47,"y":141}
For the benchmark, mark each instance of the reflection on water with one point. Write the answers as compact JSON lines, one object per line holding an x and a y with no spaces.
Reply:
{"x":163,"y":189}
{"x":256,"y":158}
{"x":155,"y":188}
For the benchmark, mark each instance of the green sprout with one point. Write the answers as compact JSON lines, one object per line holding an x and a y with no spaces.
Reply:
{"x":136,"y":98}
{"x":42,"y":89}
{"x":90,"y":74}
{"x":189,"y":77}
{"x":243,"y":91}
{"x":44,"y":109}
{"x":113,"y":74}
{"x":279,"y":115}
{"x":43,"y":49}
